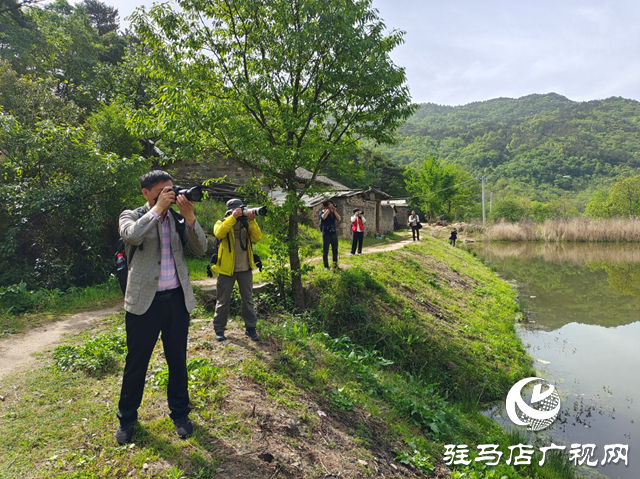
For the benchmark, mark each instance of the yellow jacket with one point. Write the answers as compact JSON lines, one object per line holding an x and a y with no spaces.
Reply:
{"x":227,"y":257}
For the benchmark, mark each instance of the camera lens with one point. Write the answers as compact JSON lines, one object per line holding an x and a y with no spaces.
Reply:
{"x":192,"y":194}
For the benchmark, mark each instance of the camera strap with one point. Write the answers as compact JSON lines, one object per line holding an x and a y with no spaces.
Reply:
{"x":181,"y":225}
{"x":243,"y":246}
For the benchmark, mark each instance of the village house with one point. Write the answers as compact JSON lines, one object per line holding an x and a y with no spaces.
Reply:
{"x":379,"y":216}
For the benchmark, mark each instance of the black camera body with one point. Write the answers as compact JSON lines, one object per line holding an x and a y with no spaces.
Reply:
{"x":192,"y":194}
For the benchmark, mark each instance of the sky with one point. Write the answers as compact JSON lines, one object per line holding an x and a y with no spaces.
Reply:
{"x":460,"y":51}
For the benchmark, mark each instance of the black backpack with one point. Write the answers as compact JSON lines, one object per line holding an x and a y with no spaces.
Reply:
{"x":122,"y":262}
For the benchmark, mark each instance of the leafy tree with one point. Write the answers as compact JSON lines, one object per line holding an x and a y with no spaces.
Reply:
{"x":599,"y":206}
{"x":510,"y":208}
{"x":105,"y":19}
{"x":367,"y":167}
{"x":625,"y":197}
{"x":59,"y":41}
{"x":20,"y":41}
{"x":432,"y":187}
{"x":107,"y":128}
{"x":280,"y":84}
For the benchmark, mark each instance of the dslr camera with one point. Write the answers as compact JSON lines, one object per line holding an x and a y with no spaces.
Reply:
{"x":192,"y":194}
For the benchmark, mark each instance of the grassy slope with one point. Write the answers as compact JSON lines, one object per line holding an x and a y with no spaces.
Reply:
{"x":443,"y":319}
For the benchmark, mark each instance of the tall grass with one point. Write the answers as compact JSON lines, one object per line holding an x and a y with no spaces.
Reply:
{"x":575,"y":229}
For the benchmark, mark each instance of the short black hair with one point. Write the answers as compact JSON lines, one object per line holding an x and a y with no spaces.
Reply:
{"x":148,"y":180}
{"x":325,"y":203}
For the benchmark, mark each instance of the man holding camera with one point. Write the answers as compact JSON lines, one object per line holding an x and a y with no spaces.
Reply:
{"x":236,"y":263}
{"x":158,"y":298}
{"x":328,"y":218}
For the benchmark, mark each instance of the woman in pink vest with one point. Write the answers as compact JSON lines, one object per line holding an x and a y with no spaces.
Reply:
{"x":357,"y":227}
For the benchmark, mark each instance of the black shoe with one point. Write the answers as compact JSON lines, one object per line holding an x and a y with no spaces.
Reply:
{"x":184,"y":428}
{"x":251,"y":332}
{"x":220,"y":336}
{"x":124,"y":434}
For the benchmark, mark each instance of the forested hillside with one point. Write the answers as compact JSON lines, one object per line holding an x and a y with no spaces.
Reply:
{"x":543,"y":146}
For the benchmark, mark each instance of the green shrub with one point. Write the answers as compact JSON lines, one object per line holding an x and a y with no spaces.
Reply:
{"x":100,"y":355}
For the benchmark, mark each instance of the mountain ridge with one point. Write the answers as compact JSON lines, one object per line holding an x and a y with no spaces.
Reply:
{"x":544,"y":145}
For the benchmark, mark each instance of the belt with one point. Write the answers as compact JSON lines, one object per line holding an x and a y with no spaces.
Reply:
{"x":166,"y":294}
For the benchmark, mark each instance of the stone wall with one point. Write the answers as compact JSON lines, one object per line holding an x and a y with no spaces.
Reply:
{"x":199,"y":171}
{"x":402,"y":213}
{"x":380,"y":225}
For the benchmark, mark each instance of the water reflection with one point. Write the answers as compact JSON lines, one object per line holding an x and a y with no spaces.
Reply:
{"x":584,"y":300}
{"x":572,"y":283}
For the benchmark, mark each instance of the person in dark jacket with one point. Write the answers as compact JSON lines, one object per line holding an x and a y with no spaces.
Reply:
{"x":328,"y":218}
{"x":453,"y":237}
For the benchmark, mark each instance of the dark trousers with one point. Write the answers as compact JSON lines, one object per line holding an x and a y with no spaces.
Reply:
{"x":169,"y":317}
{"x":452,"y":241}
{"x":415,"y":231}
{"x":224,"y":286}
{"x":358,"y":238}
{"x":329,"y":239}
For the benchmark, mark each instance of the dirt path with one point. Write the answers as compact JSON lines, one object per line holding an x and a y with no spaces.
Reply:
{"x":17,"y":352}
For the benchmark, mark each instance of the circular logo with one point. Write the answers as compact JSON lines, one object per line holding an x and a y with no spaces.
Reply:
{"x":541,"y":412}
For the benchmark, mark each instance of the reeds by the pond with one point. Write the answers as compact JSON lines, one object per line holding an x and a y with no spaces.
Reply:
{"x":576,"y":229}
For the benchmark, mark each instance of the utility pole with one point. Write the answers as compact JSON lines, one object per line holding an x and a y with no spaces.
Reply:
{"x":484,"y":216}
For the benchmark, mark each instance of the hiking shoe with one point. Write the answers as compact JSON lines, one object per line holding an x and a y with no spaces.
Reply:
{"x":220,"y":336}
{"x":184,"y":428}
{"x":251,"y":332}
{"x":124,"y":434}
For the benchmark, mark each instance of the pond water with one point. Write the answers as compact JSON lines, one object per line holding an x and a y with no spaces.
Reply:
{"x":583,"y":306}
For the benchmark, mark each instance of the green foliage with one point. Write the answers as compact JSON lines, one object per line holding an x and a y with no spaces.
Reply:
{"x":60,"y":42}
{"x":621,"y":200}
{"x":388,"y":304}
{"x":365,"y":168}
{"x":421,"y":461}
{"x":100,"y":355}
{"x":62,"y":198}
{"x":107,"y":128}
{"x":440,"y":189}
{"x":342,"y":399}
{"x":510,"y":208}
{"x":16,"y":298}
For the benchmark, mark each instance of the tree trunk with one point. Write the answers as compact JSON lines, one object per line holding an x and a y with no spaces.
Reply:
{"x":294,"y":263}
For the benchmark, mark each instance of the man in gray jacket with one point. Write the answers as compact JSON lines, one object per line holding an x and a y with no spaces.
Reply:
{"x":158,"y":298}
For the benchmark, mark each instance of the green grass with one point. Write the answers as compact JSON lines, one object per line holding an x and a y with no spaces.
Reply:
{"x":399,"y":353}
{"x":434,"y":310}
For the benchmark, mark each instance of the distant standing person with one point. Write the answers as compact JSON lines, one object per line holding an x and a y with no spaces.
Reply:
{"x":453,"y":237}
{"x":328,"y":218}
{"x":357,"y":228}
{"x":414,"y":221}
